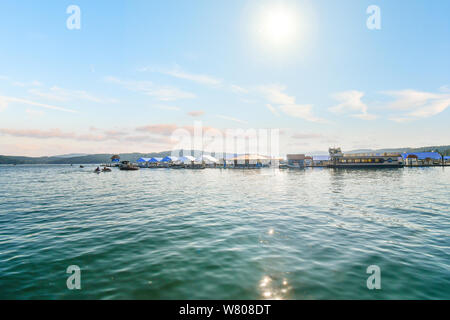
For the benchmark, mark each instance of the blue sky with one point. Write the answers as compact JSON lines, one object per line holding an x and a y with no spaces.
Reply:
{"x":137,"y":70}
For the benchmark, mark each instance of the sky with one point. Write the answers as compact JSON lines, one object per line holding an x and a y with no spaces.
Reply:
{"x":316,"y":72}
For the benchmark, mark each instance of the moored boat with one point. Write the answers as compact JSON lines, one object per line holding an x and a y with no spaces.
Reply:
{"x":387,"y":160}
{"x":128,"y":166}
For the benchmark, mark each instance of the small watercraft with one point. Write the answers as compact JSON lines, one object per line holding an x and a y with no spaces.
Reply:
{"x":128,"y":166}
{"x":81,"y":166}
{"x":105,"y":169}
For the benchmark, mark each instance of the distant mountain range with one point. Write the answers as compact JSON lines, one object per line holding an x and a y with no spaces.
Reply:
{"x":106,"y":158}
{"x":442,"y":149}
{"x":71,"y":155}
{"x":78,"y":159}
{"x":86,"y":158}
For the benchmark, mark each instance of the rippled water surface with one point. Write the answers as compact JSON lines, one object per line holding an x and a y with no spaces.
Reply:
{"x":224,"y":234}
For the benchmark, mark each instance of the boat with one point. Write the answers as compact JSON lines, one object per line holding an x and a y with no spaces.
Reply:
{"x":293,"y":166}
{"x":105,"y":169}
{"x":386,"y":160}
{"x":195,"y":166}
{"x":128,"y":166}
{"x":81,"y":166}
{"x":285,"y":165}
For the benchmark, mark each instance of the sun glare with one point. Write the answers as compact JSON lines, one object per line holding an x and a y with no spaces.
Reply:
{"x":278,"y":25}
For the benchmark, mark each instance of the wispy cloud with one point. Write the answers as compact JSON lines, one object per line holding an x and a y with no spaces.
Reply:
{"x":196,"y":113}
{"x":27,"y":84}
{"x":162,"y":93}
{"x":60,"y":94}
{"x":273,"y":109}
{"x":167,"y":129}
{"x":199,"y":78}
{"x":414,"y":104}
{"x":170,"y":108}
{"x":98,"y":136}
{"x":301,"y":111}
{"x":351,"y":102}
{"x":238,"y":89}
{"x":232,"y":119}
{"x":39,"y":134}
{"x":4,"y":101}
{"x":445,"y":88}
{"x":301,"y":136}
{"x":177,"y":72}
{"x":34,"y":113}
{"x":275,"y":94}
{"x":160,"y":129}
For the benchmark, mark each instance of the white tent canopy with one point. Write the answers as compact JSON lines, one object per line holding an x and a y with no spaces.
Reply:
{"x":207,"y":159}
{"x":186,"y":159}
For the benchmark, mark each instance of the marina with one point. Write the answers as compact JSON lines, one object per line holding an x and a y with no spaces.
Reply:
{"x":336,"y":159}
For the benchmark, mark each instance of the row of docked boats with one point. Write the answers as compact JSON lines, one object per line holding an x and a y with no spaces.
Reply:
{"x":128,"y":166}
{"x":387,"y":160}
{"x":337,"y":159}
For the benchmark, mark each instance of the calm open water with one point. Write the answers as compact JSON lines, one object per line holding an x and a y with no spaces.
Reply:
{"x":224,"y":234}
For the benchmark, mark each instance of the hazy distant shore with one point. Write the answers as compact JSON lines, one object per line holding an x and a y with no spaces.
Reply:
{"x":106,"y":158}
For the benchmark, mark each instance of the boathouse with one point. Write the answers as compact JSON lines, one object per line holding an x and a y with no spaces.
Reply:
{"x":297,"y":160}
{"x":422,"y":158}
{"x":247,"y":161}
{"x":321,"y":161}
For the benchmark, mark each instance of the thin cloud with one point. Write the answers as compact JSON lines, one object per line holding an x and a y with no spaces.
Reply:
{"x":301,"y":136}
{"x":55,"y":134}
{"x":275,"y":94}
{"x":196,"y":113}
{"x":199,"y":78}
{"x":365,"y":116}
{"x":238,"y":89}
{"x":34,"y":113}
{"x":417,"y":104}
{"x":273,"y":109}
{"x":160,"y":129}
{"x":180,"y":74}
{"x":232,"y":119}
{"x":3,"y":104}
{"x":4,"y":101}
{"x":162,"y":93}
{"x":301,"y":111}
{"x":107,"y":135}
{"x":27,"y":84}
{"x":39,"y":134}
{"x":170,"y":108}
{"x":350,"y":102}
{"x":60,"y":94}
{"x":168,"y":129}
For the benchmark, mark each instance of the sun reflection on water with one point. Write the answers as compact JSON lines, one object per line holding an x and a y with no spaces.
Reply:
{"x":274,"y":288}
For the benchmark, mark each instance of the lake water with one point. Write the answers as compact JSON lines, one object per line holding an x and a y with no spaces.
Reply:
{"x":224,"y":234}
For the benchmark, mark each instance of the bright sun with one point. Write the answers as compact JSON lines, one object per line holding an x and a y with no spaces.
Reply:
{"x":278,"y":25}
